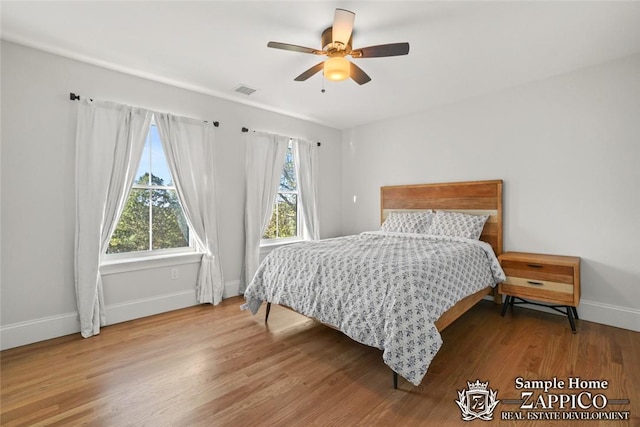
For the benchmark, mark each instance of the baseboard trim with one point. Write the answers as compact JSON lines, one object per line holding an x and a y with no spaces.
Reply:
{"x":135,"y":309}
{"x":605,"y":314}
{"x":612,"y":315}
{"x":31,"y":331}
{"x":231,"y":289}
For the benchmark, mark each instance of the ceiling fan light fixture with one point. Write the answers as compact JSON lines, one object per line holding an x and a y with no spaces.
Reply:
{"x":336,"y":44}
{"x":337,"y":69}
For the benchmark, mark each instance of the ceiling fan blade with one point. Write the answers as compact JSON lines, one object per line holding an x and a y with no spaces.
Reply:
{"x":294,"y":48}
{"x":392,"y":49}
{"x":358,"y":75}
{"x":310,"y":72}
{"x":342,"y":26}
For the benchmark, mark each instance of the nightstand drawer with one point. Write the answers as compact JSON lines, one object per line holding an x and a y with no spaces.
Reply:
{"x":539,"y":284}
{"x":542,"y":290}
{"x":539,"y":271}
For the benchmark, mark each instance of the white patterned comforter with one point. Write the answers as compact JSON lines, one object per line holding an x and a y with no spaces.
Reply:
{"x":381,"y":289}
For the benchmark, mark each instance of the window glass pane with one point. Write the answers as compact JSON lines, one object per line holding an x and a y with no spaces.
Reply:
{"x":169,"y":227}
{"x":284,"y":220}
{"x":288,"y":177}
{"x":159,"y":165}
{"x":272,"y":229}
{"x":132,"y":232}
{"x":145,"y":161}
{"x":287,"y":205}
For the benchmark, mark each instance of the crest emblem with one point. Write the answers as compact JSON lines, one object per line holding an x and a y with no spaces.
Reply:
{"x":477,"y":401}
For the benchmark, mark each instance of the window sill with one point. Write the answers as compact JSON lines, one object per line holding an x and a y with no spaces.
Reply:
{"x":124,"y":265}
{"x":266,"y":247}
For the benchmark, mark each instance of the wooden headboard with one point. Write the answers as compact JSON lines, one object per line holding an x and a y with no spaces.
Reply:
{"x":473,"y":197}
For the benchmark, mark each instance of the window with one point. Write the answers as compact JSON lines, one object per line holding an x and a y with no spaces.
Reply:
{"x":285,"y":222}
{"x":152,"y":218}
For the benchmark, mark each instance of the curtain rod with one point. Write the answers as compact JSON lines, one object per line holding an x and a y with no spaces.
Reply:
{"x":245,"y":130}
{"x":74,"y":97}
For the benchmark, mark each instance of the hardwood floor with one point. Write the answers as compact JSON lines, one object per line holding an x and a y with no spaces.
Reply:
{"x":219,"y":366}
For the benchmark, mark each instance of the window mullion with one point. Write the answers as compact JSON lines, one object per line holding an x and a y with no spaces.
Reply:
{"x":277,"y":220}
{"x":150,"y":193}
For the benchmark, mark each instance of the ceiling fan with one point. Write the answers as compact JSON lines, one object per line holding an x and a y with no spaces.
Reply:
{"x":336,"y":44}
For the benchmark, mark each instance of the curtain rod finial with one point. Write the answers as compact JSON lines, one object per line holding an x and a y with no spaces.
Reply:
{"x":74,"y":97}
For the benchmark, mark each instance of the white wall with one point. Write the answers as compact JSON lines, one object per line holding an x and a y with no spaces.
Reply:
{"x":568,"y":150}
{"x":37,"y":178}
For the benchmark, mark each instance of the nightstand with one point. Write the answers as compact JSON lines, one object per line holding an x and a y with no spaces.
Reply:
{"x":552,"y":279}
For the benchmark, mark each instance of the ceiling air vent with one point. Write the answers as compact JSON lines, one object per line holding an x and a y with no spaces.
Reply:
{"x":244,"y":89}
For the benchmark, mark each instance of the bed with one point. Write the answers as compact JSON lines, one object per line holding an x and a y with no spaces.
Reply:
{"x":396,"y":288}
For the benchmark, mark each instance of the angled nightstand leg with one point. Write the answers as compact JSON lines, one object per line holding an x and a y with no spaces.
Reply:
{"x":571,"y":321}
{"x":575,"y":312}
{"x":505,"y":304}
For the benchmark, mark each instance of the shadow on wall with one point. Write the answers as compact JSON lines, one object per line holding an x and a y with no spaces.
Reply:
{"x":603,"y":283}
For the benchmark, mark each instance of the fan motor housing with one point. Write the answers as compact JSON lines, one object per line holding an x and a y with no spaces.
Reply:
{"x":335,"y":49}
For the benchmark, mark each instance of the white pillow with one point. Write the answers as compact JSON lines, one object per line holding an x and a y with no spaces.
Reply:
{"x":408,"y":222}
{"x":457,"y":224}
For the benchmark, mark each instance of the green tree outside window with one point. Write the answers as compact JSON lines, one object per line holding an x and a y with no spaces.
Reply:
{"x":152,"y":218}
{"x":284,"y":219}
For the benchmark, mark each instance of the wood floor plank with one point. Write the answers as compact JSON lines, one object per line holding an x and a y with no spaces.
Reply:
{"x":219,"y":366}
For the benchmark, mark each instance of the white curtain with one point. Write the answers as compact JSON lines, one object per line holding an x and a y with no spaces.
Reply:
{"x":189,"y":148}
{"x":306,"y":159}
{"x":265,"y":160}
{"x":110,"y":138}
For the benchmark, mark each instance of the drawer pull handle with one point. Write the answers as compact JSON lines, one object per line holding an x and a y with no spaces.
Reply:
{"x":534,"y":265}
{"x":531,"y":282}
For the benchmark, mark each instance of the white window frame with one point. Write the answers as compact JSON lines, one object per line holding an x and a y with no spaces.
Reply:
{"x":133,"y":258}
{"x":278,"y":241}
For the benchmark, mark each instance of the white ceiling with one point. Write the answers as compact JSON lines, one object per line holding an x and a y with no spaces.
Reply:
{"x":458,"y":49}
